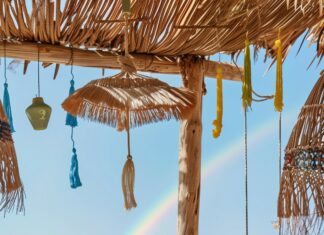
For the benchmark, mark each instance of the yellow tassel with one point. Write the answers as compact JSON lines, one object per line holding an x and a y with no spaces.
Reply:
{"x":219,"y":108}
{"x":246,"y":83}
{"x":278,"y":99}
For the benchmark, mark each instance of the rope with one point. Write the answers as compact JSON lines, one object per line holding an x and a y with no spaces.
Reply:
{"x":280,"y":147}
{"x":71,"y":72}
{"x":128,"y":135}
{"x":126,"y":16}
{"x":72,"y":137}
{"x":38,"y":81}
{"x":246,"y":175}
{"x":5,"y":60}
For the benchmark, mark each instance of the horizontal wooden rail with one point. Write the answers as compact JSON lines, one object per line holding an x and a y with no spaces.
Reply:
{"x":57,"y":54}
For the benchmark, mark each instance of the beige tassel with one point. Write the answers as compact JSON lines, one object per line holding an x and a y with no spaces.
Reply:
{"x":128,"y":181}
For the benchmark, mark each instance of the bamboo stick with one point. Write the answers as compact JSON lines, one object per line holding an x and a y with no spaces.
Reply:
{"x":57,"y":54}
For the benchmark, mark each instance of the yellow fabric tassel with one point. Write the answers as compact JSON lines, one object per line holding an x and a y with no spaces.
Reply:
{"x":219,"y":108}
{"x":278,"y":99}
{"x":246,"y":83}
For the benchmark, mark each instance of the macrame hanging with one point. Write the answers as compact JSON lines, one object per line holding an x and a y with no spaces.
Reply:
{"x":278,"y":104}
{"x":72,"y":121}
{"x":11,"y":188}
{"x":246,"y":102}
{"x":301,"y":196}
{"x":128,"y":100}
{"x":6,"y":97}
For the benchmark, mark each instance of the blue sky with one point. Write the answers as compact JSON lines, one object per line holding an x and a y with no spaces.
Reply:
{"x":97,"y":208}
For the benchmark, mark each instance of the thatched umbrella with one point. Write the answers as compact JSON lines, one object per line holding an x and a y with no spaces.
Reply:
{"x":301,"y":197}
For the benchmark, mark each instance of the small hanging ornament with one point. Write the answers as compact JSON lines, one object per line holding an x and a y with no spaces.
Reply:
{"x":71,"y":121}
{"x":39,"y":112}
{"x":219,"y":107}
{"x":6,"y":97}
{"x":246,"y":83}
{"x":11,"y":188}
{"x":278,"y":99}
{"x":128,"y":176}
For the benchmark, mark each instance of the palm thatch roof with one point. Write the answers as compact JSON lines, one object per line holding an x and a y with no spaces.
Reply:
{"x":168,"y":28}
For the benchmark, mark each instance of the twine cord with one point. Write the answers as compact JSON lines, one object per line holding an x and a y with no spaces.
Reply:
{"x":72,"y":137}
{"x":38,"y":72}
{"x":5,"y":60}
{"x":279,"y":155}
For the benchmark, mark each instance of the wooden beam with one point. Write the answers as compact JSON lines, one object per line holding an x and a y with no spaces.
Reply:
{"x":190,"y":151}
{"x":57,"y":54}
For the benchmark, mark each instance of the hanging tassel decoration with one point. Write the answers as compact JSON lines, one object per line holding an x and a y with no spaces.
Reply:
{"x":278,"y":99}
{"x":7,"y":107}
{"x":246,"y":83}
{"x":70,"y":119}
{"x":11,"y":188}
{"x":219,"y":107}
{"x":6,"y":97}
{"x":128,"y":176}
{"x":75,"y":181}
{"x":128,"y":182}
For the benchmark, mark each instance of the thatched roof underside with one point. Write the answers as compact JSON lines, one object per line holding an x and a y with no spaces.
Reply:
{"x":161,"y":26}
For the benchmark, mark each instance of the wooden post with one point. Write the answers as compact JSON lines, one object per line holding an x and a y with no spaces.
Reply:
{"x":192,"y":71}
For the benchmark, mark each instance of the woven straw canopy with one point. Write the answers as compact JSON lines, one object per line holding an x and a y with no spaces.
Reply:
{"x":146,"y":99}
{"x":301,"y":197}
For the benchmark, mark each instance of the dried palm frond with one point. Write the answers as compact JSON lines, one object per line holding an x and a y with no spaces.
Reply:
{"x":301,"y":196}
{"x":11,"y":188}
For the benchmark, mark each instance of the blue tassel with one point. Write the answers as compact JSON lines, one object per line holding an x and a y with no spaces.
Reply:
{"x":7,"y":107}
{"x":74,"y":171}
{"x":70,"y":119}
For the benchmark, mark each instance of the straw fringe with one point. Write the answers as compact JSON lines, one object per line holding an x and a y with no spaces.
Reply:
{"x":148,"y":100}
{"x":301,"y":196}
{"x":11,"y":188}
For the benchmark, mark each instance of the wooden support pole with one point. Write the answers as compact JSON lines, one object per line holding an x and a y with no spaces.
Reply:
{"x":192,"y":71}
{"x":56,"y":54}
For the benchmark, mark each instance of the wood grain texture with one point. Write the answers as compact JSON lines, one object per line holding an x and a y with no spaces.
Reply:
{"x":190,"y":151}
{"x":56,"y":54}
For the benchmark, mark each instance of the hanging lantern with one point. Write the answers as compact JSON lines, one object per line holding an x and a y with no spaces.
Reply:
{"x":39,"y":113}
{"x":301,"y":196}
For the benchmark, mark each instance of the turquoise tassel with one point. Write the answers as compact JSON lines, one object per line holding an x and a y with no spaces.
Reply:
{"x":74,"y":171}
{"x":7,"y":107}
{"x":70,"y":119}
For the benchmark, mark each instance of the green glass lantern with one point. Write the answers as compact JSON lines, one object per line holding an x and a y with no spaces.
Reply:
{"x":39,"y":113}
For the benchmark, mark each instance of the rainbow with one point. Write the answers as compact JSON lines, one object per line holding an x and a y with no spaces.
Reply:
{"x":151,"y":219}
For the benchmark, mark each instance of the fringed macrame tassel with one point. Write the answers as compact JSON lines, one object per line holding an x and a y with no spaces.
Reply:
{"x":7,"y":107}
{"x":219,"y":109}
{"x":75,"y":181}
{"x":71,"y":120}
{"x":128,"y":182}
{"x":11,"y":188}
{"x":278,"y":99}
{"x":246,"y":83}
